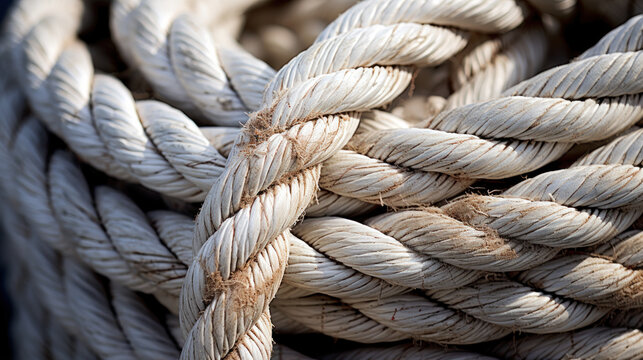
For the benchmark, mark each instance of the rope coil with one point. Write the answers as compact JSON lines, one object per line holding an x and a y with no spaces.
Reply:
{"x":550,"y":254}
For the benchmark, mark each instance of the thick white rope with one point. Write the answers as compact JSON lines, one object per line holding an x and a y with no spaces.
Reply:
{"x":532,"y":311}
{"x":177,"y":219}
{"x":158,"y":12}
{"x":485,"y":69}
{"x":98,"y":118}
{"x":471,"y":141}
{"x":629,"y":200}
{"x":279,"y":141}
{"x":41,"y":328}
{"x":186,"y":229}
{"x":219,"y":83}
{"x":78,"y":300}
{"x":593,"y":343}
{"x":142,"y":328}
{"x":178,"y":161}
{"x":25,"y":328}
{"x":89,"y":304}
{"x":143,"y":141}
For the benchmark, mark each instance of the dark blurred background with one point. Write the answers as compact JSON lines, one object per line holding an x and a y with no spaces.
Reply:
{"x":5,"y":350}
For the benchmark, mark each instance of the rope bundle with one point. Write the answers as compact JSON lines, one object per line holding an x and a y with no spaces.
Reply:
{"x":558,"y":252}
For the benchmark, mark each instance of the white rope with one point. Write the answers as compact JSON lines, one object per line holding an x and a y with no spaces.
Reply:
{"x":275,"y":136}
{"x":596,"y":343}
{"x":186,"y":228}
{"x":141,"y":327}
{"x":485,"y":69}
{"x":98,"y":118}
{"x":78,"y":300}
{"x":501,"y":302}
{"x":163,"y":157}
{"x":219,"y":83}
{"x":427,"y":165}
{"x":271,"y":176}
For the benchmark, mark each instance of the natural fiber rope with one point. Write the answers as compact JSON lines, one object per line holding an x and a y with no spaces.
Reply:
{"x":379,"y":291}
{"x":614,"y":294}
{"x":234,"y":265}
{"x":485,"y":69}
{"x":593,"y":343}
{"x":171,"y":222}
{"x":155,"y":12}
{"x":153,"y":177}
{"x":581,"y":315}
{"x":434,"y":154}
{"x":219,"y":83}
{"x":630,"y":199}
{"x":100,"y":120}
{"x":155,"y":153}
{"x":39,"y":280}
{"x":77,"y":298}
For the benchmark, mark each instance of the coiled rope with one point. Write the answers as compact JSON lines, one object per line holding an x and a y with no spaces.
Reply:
{"x":271,"y":176}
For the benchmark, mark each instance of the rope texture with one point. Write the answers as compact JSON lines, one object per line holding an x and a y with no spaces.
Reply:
{"x":237,"y":271}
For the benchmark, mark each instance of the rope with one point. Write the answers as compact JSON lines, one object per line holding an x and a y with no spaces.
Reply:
{"x":485,"y":69}
{"x":595,"y":343}
{"x":501,"y":302}
{"x":81,"y":304}
{"x":183,"y":225}
{"x":490,"y":139}
{"x":140,"y":137}
{"x":217,"y":83}
{"x":98,"y":118}
{"x":179,"y":227}
{"x":435,"y":290}
{"x":274,"y":135}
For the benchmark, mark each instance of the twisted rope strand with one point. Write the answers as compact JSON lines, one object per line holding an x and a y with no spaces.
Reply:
{"x":151,"y":154}
{"x":68,"y":291}
{"x":288,"y":137}
{"x":217,"y":81}
{"x":494,"y":65}
{"x":429,"y":165}
{"x":505,"y":303}
{"x":98,"y":118}
{"x":597,"y":343}
{"x":270,"y":178}
{"x":383,"y":311}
